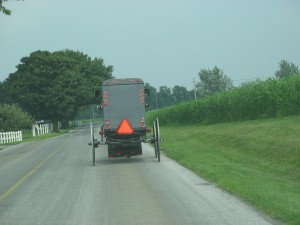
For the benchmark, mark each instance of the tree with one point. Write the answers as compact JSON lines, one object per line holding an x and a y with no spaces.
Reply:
{"x":52,"y":86}
{"x":13,"y":118}
{"x":201,"y":92}
{"x":180,"y":94}
{"x":2,"y":93}
{"x":151,"y":100}
{"x":213,"y":80}
{"x":3,"y":9}
{"x":167,"y":96}
{"x":164,"y":97}
{"x":286,"y":69}
{"x":88,"y":111}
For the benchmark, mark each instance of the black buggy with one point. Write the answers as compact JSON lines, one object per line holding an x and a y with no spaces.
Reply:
{"x":124,"y":124}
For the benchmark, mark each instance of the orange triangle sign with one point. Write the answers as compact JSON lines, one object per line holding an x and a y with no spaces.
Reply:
{"x":125,"y":127}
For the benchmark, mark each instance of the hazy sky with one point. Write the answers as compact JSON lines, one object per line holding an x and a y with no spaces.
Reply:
{"x":164,"y":42}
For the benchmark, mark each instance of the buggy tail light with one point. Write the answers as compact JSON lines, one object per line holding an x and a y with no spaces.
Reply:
{"x":107,"y":124}
{"x":142,"y":122}
{"x":101,"y":133}
{"x":105,"y":98}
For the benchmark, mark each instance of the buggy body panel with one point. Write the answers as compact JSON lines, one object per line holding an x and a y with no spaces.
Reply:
{"x":124,"y":99}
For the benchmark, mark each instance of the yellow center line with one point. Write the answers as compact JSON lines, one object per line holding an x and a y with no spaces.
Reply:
{"x":29,"y":174}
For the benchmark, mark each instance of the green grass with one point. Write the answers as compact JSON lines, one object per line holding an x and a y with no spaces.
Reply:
{"x":256,"y":100}
{"x":258,"y":161}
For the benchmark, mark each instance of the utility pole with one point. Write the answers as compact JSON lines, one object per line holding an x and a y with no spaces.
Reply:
{"x":93,"y":114}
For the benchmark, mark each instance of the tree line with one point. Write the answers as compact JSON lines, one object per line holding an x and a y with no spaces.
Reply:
{"x":270,"y":98}
{"x":60,"y":85}
{"x":211,"y":81}
{"x":54,"y":85}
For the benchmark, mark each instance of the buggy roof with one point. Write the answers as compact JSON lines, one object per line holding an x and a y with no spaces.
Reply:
{"x":122,"y":81}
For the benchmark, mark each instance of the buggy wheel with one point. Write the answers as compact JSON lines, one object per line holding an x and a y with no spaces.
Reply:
{"x":93,"y":144}
{"x":157,"y":141}
{"x":102,"y":129}
{"x":154,"y":138}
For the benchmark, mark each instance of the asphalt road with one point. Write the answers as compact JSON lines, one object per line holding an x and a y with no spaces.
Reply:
{"x":53,"y":182}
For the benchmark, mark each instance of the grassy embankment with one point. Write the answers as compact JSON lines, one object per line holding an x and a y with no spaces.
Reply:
{"x":257,"y":160}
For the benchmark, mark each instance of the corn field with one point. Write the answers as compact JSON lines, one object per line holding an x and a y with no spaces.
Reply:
{"x":254,"y":100}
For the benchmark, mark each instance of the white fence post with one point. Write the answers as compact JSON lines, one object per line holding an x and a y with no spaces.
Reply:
{"x":33,"y":130}
{"x":2,"y":138}
{"x":47,"y":128}
{"x":38,"y":129}
{"x":41,"y":129}
{"x":12,"y":136}
{"x":19,"y":136}
{"x":44,"y":129}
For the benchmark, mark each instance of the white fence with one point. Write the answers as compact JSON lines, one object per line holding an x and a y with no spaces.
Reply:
{"x":37,"y":130}
{"x":7,"y":137}
{"x":41,"y":129}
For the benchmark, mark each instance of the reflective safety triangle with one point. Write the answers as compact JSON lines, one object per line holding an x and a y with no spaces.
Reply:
{"x":125,"y":127}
